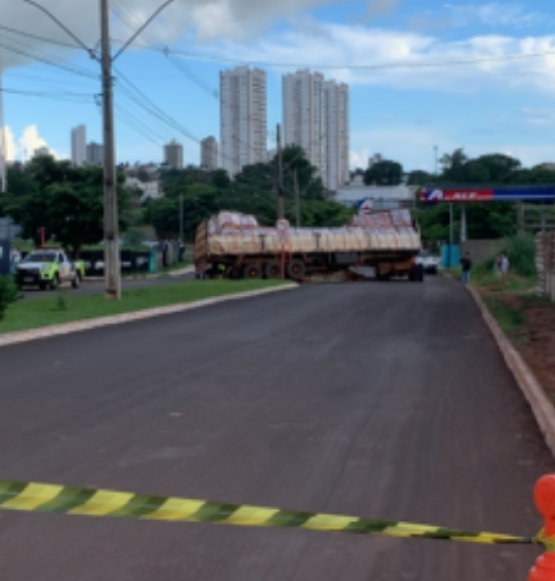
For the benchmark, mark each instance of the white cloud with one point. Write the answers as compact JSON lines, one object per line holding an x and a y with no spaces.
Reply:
{"x":200,"y":20}
{"x":9,"y":144}
{"x":398,"y":58}
{"x":494,"y":14}
{"x":25,"y":146}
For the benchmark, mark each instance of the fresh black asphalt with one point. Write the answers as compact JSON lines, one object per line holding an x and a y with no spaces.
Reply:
{"x":386,"y":400}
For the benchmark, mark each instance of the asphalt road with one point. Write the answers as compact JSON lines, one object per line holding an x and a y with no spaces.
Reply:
{"x":94,"y":287}
{"x":382,"y":400}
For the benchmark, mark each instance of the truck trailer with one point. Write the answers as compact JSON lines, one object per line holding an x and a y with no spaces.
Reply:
{"x":385,"y":243}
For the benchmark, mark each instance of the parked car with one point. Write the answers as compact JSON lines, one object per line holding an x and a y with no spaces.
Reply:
{"x":49,"y":269}
{"x":429,"y":263}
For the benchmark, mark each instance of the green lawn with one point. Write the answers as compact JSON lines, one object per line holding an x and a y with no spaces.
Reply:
{"x":64,"y":306}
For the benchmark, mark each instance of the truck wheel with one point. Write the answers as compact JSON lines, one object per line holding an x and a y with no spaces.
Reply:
{"x":252,"y":271}
{"x":42,"y":286}
{"x":76,"y":281}
{"x":296,"y":269}
{"x":272,"y":269}
{"x":419,"y":273}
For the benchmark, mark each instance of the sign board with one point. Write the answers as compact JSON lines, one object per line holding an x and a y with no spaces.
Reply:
{"x":282,"y":227}
{"x":365,"y":206}
{"x":4,"y":256}
{"x":469,"y":194}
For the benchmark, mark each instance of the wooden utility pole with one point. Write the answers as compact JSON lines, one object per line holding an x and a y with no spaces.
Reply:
{"x":112,"y":271}
{"x":280,"y":202}
{"x":297,"y":201}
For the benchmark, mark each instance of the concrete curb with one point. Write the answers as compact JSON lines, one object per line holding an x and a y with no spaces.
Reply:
{"x":88,"y":324}
{"x":541,"y":405}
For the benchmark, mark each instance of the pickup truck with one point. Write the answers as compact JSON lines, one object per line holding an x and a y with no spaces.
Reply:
{"x":49,"y":269}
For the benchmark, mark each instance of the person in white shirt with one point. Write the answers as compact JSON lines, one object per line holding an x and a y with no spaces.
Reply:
{"x":504,"y":265}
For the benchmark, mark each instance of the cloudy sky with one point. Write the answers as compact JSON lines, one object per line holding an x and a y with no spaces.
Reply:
{"x":423,"y":73}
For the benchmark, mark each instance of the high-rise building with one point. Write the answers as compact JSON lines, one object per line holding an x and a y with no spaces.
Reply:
{"x":242,"y":118}
{"x":316,"y":117}
{"x":173,"y":155}
{"x":79,"y":145}
{"x":336,"y":98}
{"x":95,"y":154}
{"x":209,"y":153}
{"x":304,"y":115}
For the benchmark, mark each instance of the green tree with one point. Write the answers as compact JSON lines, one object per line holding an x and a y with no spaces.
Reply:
{"x":65,"y":200}
{"x":384,"y":173}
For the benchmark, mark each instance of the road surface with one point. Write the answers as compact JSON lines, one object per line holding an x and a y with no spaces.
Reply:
{"x":382,"y":400}
{"x":94,"y":287}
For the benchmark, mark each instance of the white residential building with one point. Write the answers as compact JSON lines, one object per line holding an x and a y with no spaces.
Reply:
{"x":173,"y":155}
{"x":336,"y":99}
{"x":304,"y":115}
{"x":243,"y":123}
{"x":79,"y":145}
{"x":209,"y":153}
{"x":316,"y":117}
{"x":95,"y":154}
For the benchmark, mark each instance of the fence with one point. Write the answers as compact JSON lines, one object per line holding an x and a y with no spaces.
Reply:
{"x":545,"y":264}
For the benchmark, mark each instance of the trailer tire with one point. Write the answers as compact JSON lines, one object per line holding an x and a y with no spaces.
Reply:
{"x":272,"y":269}
{"x":296,"y":269}
{"x":419,"y":273}
{"x":252,"y":271}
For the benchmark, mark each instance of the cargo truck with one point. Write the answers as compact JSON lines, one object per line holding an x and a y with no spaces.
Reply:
{"x":385,"y":243}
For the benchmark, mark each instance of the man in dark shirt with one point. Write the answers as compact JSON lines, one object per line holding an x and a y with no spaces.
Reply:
{"x":466,"y":265}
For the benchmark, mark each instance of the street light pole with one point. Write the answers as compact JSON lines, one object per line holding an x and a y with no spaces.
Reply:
{"x":112,"y":270}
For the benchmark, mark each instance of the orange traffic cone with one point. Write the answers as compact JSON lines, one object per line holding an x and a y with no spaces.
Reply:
{"x":544,"y":496}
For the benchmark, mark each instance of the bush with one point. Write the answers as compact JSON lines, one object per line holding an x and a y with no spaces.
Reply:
{"x":521,"y":252}
{"x":9,"y":294}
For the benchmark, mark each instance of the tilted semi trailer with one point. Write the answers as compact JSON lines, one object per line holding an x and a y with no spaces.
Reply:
{"x":386,"y":243}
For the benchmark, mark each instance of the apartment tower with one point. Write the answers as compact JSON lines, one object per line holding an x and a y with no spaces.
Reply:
{"x":243,"y":124}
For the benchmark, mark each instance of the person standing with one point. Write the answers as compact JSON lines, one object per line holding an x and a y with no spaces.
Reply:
{"x":466,"y":266}
{"x":504,"y":265}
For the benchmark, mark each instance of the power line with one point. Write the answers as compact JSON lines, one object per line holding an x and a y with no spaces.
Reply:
{"x":38,"y":37}
{"x":47,"y":61}
{"x":61,"y":25}
{"x":58,"y":96}
{"x":384,"y":66}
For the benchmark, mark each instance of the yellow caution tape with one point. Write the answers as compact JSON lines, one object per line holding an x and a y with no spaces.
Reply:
{"x":40,"y":497}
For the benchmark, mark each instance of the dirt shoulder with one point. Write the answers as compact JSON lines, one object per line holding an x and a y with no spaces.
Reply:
{"x":527,"y":320}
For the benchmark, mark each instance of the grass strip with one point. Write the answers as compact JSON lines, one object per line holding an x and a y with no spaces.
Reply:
{"x":65,"y":307}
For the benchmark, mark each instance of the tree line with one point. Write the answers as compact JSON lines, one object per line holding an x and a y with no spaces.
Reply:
{"x":485,"y":220}
{"x":67,"y":200}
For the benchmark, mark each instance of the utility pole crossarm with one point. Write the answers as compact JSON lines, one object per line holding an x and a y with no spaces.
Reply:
{"x":62,"y":26}
{"x":132,"y":39}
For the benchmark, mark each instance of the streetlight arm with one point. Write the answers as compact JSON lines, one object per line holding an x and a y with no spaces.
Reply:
{"x":61,"y":25}
{"x":124,"y":47}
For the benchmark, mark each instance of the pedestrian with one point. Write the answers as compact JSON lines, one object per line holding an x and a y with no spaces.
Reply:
{"x":466,"y":266}
{"x":497,"y":265}
{"x":504,"y":265}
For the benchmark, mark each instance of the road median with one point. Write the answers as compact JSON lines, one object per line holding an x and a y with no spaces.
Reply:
{"x":62,"y":313}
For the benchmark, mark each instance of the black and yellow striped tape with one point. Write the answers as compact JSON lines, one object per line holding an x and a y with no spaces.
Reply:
{"x":40,"y":497}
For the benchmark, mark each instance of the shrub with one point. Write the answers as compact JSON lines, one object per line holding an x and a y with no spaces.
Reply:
{"x":9,"y":294}
{"x":521,"y":252}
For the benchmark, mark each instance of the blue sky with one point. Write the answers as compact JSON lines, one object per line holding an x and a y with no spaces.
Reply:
{"x":401,"y":108}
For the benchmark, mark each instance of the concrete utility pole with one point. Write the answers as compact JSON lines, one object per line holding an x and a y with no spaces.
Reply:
{"x":280,"y":201}
{"x":181,"y":218}
{"x":463,"y":222}
{"x":3,"y":145}
{"x":112,"y":270}
{"x":297,"y":201}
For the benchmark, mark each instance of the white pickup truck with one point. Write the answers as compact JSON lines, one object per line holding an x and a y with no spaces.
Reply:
{"x":49,"y":269}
